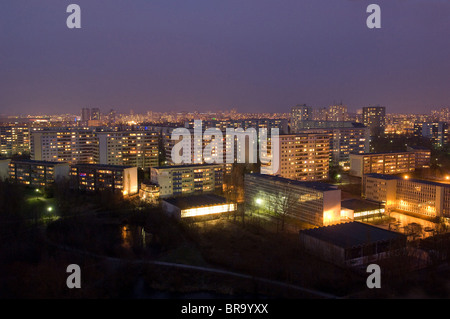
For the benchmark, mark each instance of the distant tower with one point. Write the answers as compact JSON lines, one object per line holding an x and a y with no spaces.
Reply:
{"x":95,"y":114}
{"x":300,"y":113}
{"x":111,"y":117}
{"x":85,"y":114}
{"x":374,"y":117}
{"x":337,"y":112}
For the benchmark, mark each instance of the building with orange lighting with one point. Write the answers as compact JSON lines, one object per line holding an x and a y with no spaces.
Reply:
{"x":97,"y":177}
{"x":314,"y":203}
{"x":37,"y":173}
{"x":389,"y":163}
{"x":197,"y":205}
{"x":420,"y":197}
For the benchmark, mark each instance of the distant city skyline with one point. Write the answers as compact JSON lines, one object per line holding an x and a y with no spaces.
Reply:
{"x":260,"y":56}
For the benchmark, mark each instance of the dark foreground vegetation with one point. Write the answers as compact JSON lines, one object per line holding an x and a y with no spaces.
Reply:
{"x":129,"y":250}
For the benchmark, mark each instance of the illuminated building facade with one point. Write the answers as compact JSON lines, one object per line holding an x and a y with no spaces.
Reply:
{"x":64,"y":145}
{"x":314,"y":203}
{"x":389,"y":163}
{"x":300,"y":113}
{"x":337,"y":113}
{"x":129,"y":148}
{"x":97,"y":177}
{"x":437,"y":132}
{"x":345,"y":139}
{"x":374,"y":117}
{"x":14,"y":139}
{"x":149,"y":193}
{"x":421,"y":197}
{"x":196,"y":206}
{"x":303,"y":157}
{"x":187,"y":179}
{"x":37,"y":173}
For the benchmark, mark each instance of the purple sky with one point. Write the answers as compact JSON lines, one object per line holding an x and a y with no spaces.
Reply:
{"x":252,"y":55}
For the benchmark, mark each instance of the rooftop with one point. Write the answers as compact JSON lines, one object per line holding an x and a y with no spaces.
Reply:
{"x":185,"y":166}
{"x":101,"y":166}
{"x":352,"y":234}
{"x":358,"y":205}
{"x":314,"y":185}
{"x":31,"y":162}
{"x":195,"y":201}
{"x":421,"y":181}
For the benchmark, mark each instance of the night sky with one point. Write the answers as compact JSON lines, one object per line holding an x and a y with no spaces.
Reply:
{"x":252,"y":55}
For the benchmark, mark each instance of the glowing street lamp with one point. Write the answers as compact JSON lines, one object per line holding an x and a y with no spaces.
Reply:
{"x":259,"y":201}
{"x":50,"y":209}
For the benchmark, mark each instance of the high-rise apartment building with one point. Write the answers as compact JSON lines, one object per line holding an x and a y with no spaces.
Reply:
{"x":129,"y":148}
{"x":345,"y":138}
{"x":63,"y":145}
{"x":300,"y":113}
{"x":437,"y":132}
{"x":303,"y":157}
{"x":337,"y":113}
{"x":187,"y":179}
{"x":14,"y":139}
{"x":374,"y":117}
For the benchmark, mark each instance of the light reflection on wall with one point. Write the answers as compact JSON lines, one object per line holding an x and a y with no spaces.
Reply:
{"x":201,"y":211}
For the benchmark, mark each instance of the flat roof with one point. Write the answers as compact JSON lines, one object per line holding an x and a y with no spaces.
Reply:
{"x":186,"y":166}
{"x":357,"y":204}
{"x":307,"y":184}
{"x":421,"y":181}
{"x":104,"y":166}
{"x":352,"y":234}
{"x":32,"y":162}
{"x":193,"y":201}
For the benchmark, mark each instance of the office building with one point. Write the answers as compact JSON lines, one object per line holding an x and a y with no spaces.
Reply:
{"x":313,"y":203}
{"x":187,"y":179}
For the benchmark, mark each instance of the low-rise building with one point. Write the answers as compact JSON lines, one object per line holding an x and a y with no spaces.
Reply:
{"x":197,"y":205}
{"x":187,"y":179}
{"x":420,"y":197}
{"x":149,"y":192}
{"x":314,"y":203}
{"x":97,"y":177}
{"x":37,"y":173}
{"x":351,"y":244}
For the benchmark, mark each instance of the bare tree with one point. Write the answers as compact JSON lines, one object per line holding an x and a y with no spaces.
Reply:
{"x":282,"y":203}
